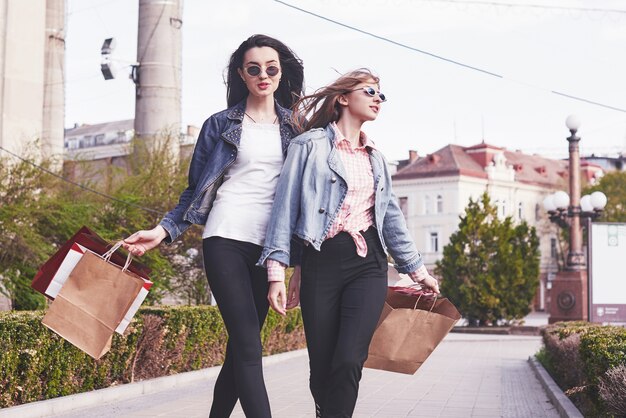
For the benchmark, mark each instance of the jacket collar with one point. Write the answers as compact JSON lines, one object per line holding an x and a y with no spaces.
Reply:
{"x":237,"y":112}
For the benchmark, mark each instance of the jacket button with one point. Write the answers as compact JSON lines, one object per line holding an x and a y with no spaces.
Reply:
{"x":382,"y":188}
{"x":322,"y":210}
{"x":333,"y":180}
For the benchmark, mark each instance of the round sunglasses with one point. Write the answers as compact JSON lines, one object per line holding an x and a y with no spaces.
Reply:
{"x":371,"y":92}
{"x":255,"y":70}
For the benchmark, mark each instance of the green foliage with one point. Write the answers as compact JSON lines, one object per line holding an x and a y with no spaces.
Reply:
{"x":39,"y":212}
{"x":613,"y":185}
{"x":490,"y":268}
{"x":580,"y":356}
{"x":37,"y":364}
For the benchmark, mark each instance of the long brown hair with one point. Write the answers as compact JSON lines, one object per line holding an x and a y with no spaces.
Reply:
{"x":322,"y":107}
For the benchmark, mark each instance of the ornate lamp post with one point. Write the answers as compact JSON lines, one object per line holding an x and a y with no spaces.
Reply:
{"x":570,"y":285}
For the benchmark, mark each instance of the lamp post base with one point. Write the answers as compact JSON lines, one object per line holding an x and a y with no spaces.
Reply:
{"x":569,"y":297}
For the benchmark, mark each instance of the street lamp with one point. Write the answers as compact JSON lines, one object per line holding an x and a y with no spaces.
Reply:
{"x":566,"y":210}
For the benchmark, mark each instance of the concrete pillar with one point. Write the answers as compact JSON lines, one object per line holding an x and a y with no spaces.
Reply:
{"x":54,"y":94}
{"x":158,"y":77}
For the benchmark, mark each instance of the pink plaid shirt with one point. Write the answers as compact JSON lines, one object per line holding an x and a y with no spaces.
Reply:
{"x":357,"y":211}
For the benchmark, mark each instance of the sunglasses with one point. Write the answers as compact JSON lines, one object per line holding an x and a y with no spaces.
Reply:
{"x":371,"y":92}
{"x":255,"y":70}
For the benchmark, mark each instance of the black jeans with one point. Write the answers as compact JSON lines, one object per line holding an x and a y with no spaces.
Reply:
{"x":240,"y":289}
{"x":342,"y":296}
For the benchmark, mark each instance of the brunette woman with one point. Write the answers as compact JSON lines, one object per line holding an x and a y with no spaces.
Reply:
{"x":334,"y":194}
{"x":232,"y":181}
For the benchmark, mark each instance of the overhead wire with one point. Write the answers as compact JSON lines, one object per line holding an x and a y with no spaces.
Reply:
{"x":88,"y":189}
{"x":448,"y":60}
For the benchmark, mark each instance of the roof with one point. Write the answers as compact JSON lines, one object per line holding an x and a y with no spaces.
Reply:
{"x":455,"y":160}
{"x":98,"y":128}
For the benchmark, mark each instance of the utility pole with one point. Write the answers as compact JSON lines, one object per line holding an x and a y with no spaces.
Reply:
{"x":52,"y":135}
{"x":158,"y":74}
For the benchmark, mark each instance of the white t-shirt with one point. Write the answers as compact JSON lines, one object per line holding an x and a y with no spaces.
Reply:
{"x":243,"y":202}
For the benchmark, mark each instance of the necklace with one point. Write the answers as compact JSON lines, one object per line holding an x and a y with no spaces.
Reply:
{"x":252,"y":119}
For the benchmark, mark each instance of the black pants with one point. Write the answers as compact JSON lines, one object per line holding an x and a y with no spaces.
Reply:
{"x":342,"y":295}
{"x":240,"y":289}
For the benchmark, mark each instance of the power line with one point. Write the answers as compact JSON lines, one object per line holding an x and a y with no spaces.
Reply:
{"x":451,"y":61}
{"x":532,"y":6}
{"x":80,"y":185}
{"x":382,"y":38}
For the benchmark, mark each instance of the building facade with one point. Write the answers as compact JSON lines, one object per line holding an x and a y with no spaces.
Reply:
{"x":433,"y":192}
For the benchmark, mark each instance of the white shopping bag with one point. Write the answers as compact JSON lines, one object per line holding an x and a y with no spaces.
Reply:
{"x":69,"y":262}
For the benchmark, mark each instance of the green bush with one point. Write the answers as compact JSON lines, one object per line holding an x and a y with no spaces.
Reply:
{"x":582,"y":357}
{"x":37,"y":364}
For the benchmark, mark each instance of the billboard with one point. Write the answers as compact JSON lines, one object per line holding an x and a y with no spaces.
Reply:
{"x":607,"y":275}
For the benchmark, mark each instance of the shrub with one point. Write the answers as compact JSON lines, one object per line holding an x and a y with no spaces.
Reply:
{"x":612,"y":389}
{"x":37,"y":364}
{"x":583,"y":359}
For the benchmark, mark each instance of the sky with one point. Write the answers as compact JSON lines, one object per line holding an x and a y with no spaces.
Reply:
{"x":432,"y":102}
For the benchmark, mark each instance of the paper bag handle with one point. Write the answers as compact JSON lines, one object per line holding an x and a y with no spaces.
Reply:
{"x":107,"y":256}
{"x":418,"y":300}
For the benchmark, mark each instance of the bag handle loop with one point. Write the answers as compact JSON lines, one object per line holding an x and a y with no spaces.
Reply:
{"x":107,"y":256}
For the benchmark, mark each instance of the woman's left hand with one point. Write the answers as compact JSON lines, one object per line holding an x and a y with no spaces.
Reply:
{"x":277,"y":296}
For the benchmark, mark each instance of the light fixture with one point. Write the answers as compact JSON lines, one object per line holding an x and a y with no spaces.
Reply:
{"x":585,"y":203}
{"x":598,"y":200}
{"x":572,"y":122}
{"x":548,"y":203}
{"x":561,"y":200}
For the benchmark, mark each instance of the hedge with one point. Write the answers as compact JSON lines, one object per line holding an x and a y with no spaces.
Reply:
{"x":588,"y":361}
{"x":37,"y":364}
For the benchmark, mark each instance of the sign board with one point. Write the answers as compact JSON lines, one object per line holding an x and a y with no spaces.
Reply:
{"x":607,"y":278}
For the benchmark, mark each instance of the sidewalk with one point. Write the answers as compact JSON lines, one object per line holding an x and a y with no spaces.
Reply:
{"x":467,"y":376}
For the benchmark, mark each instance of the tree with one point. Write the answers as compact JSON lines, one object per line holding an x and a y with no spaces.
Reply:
{"x":612,"y":184}
{"x":39,"y":212}
{"x":490,"y":268}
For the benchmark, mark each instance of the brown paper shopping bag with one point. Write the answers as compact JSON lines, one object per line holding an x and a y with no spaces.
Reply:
{"x":87,"y":238}
{"x":409,"y":329}
{"x":93,"y":302}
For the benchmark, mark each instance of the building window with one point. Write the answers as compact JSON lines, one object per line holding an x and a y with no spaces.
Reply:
{"x":434,"y":242}
{"x":427,"y":205}
{"x":503,"y":209}
{"x":553,"y":252}
{"x":439,"y":203}
{"x":404,"y":206}
{"x":99,"y":139}
{"x":537,"y":212}
{"x":520,"y":210}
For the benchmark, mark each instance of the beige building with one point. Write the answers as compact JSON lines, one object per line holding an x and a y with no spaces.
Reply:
{"x":31,"y":76}
{"x":91,"y":150}
{"x":433,"y":192}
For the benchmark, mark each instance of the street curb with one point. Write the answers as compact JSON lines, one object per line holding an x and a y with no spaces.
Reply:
{"x":126,"y":391}
{"x":564,"y":406}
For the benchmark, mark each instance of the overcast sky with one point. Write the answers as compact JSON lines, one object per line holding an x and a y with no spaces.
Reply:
{"x":432,"y":102}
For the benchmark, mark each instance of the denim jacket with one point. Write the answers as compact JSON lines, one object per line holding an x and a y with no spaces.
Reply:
{"x":311,"y":189}
{"x":215,"y":151}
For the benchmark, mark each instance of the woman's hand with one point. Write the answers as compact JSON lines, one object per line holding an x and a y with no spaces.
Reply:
{"x":277,"y":297}
{"x":431,"y":283}
{"x":145,"y":240}
{"x":424,"y":278}
{"x":293,"y":294}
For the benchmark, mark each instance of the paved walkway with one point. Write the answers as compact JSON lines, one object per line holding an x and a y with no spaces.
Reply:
{"x":467,"y":376}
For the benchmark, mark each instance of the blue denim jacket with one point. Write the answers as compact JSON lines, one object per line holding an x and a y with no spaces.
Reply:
{"x":311,"y":189}
{"x":215,"y":151}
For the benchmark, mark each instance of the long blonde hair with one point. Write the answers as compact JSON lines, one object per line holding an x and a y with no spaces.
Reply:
{"x":322,"y":107}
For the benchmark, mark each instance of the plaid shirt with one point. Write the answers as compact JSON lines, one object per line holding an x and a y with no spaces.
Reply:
{"x":357,"y":211}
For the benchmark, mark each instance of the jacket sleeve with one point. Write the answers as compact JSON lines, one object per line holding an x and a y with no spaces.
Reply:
{"x":173,"y":222}
{"x":286,"y":207}
{"x":399,"y":242}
